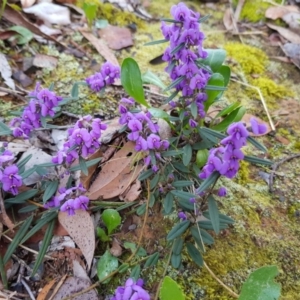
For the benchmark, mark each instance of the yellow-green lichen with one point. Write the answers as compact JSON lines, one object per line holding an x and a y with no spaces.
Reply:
{"x":243,"y":174}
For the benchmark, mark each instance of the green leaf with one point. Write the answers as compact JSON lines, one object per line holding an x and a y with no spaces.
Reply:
{"x":131,"y":246}
{"x":4,"y":127}
{"x":22,"y":197}
{"x":234,"y":116}
{"x":50,"y":190}
{"x":201,"y":158}
{"x":132,"y":80}
{"x":205,"y":236}
{"x":152,"y":260}
{"x":90,"y":10}
{"x":168,"y":203}
{"x":154,"y":181}
{"x":47,"y":218}
{"x":171,"y":153}
{"x":226,"y":72}
{"x":194,"y":110}
{"x":102,"y":235}
{"x":174,"y":83}
{"x":106,"y":265}
{"x":258,"y":161}
{"x":45,"y":244}
{"x":187,"y":154}
{"x":194,"y":254}
{"x":182,"y":183}
{"x":181,"y":167}
{"x":260,"y":285}
{"x":186,"y":204}
{"x":141,"y":252}
{"x":152,"y":200}
{"x":135,"y":272}
{"x":123,"y":268}
{"x":214,"y":214}
{"x":156,"y":42}
{"x":27,"y":209}
{"x":207,"y":224}
{"x":24,"y":161}
{"x":215,"y":80}
{"x":256,"y":144}
{"x":215,"y":58}
{"x":141,"y":209}
{"x":206,"y":132}
{"x":24,"y":36}
{"x":145,"y":175}
{"x":111,"y":218}
{"x":223,"y":218}
{"x":178,"y":245}
{"x":83,"y":166}
{"x":170,"y":289}
{"x":75,"y":91}
{"x":2,"y":270}
{"x":16,"y":241}
{"x":178,"y":230}
{"x":150,"y":77}
{"x":228,"y":109}
{"x":176,"y":260}
{"x":158,"y":113}
{"x":27,"y":173}
{"x":88,"y":164}
{"x":101,"y":23}
{"x":183,"y":195}
{"x":208,"y":181}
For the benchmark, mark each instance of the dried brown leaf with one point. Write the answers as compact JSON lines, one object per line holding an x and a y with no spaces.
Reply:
{"x":100,"y":46}
{"x":113,"y":127}
{"x":277,"y":12}
{"x":227,"y":19}
{"x":44,"y":61}
{"x":46,"y":289}
{"x":74,"y":285}
{"x":116,"y":175}
{"x":132,"y":193}
{"x":116,"y":249}
{"x":81,"y":229}
{"x":293,"y":51}
{"x":27,"y":3}
{"x":5,"y":72}
{"x":286,"y":33}
{"x":116,"y":37}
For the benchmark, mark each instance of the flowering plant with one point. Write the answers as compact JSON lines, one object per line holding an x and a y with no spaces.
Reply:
{"x":182,"y":167}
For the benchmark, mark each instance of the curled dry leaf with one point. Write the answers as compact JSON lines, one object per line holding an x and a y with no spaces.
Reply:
{"x":6,"y":72}
{"x":50,"y":13}
{"x":116,"y":175}
{"x":116,"y":249}
{"x":73,"y":285}
{"x":277,"y":12}
{"x":286,"y":33}
{"x":132,"y":193}
{"x":44,"y":293}
{"x":81,"y":229}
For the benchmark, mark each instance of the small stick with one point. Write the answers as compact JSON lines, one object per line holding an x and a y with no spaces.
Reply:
{"x":238,"y":10}
{"x":262,"y":100}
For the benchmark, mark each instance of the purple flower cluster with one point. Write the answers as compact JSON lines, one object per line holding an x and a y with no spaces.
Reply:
{"x":185,"y":48}
{"x":225,"y":159}
{"x":107,"y":76}
{"x":142,"y":131}
{"x":42,"y":104}
{"x":258,"y":128}
{"x":84,"y":139}
{"x":71,"y":198}
{"x":9,"y":173}
{"x":131,"y":291}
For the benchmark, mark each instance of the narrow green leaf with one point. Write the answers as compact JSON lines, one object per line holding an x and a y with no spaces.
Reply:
{"x":258,"y":161}
{"x":88,"y":164}
{"x":83,"y":166}
{"x":170,"y":20}
{"x":24,"y":161}
{"x":208,"y":131}
{"x":223,"y":218}
{"x":187,"y":154}
{"x":145,"y":175}
{"x":152,"y":200}
{"x":50,"y":190}
{"x":156,"y":42}
{"x":141,"y":209}
{"x":111,"y":218}
{"x":185,"y":204}
{"x":135,"y":272}
{"x":171,"y":153}
{"x":261,"y":285}
{"x":194,"y":110}
{"x":4,"y":127}
{"x":177,"y":48}
{"x":208,"y":181}
{"x":47,"y":165}
{"x":45,"y":244}
{"x":131,"y":79}
{"x":25,"y":35}
{"x":152,"y":78}
{"x":194,"y":254}
{"x":152,"y":260}
{"x":75,"y":91}
{"x":154,"y":181}
{"x":207,"y":224}
{"x":16,"y":241}
{"x":182,"y":183}
{"x":226,"y":72}
{"x":123,"y":268}
{"x":28,"y":172}
{"x":256,"y":144}
{"x":207,"y":136}
{"x":205,"y":236}
{"x":178,"y":245}
{"x":47,"y":218}
{"x":183,"y":195}
{"x":3,"y":273}
{"x":158,"y":113}
{"x":178,"y":230}
{"x":27,"y":209}
{"x":181,"y":167}
{"x":203,"y":19}
{"x":171,"y":97}
{"x":174,"y":83}
{"x":176,"y":260}
{"x":214,"y":214}
{"x":228,"y":109}
{"x":168,"y":203}
{"x":216,"y":80}
{"x":22,"y":197}
{"x":170,"y":290}
{"x":215,"y":58}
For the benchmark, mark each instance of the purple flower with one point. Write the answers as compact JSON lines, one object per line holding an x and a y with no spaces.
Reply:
{"x":68,"y":206}
{"x":153,"y":141}
{"x":141,"y":144}
{"x":180,"y":12}
{"x":237,"y":130}
{"x":222,"y":192}
{"x":11,"y":180}
{"x":81,"y":202}
{"x":182,"y":216}
{"x":135,"y":125}
{"x":257,"y":128}
{"x":155,"y":168}
{"x":193,"y":123}
{"x":192,"y":200}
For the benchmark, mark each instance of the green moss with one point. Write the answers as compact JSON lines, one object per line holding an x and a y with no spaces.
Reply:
{"x":254,"y":10}
{"x":243,"y":175}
